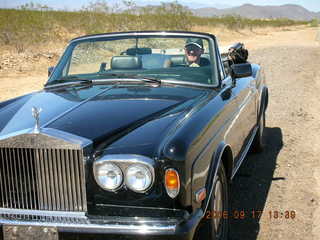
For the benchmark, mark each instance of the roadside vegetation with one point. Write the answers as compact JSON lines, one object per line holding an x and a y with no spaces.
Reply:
{"x":314,"y":23}
{"x":32,"y":24}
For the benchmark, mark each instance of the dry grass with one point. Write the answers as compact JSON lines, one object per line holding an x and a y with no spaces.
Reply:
{"x":24,"y":28}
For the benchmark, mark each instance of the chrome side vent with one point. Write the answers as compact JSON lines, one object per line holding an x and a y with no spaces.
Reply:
{"x":42,"y":179}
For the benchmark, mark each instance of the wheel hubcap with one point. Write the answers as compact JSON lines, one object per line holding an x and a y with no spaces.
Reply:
{"x":261,"y":127}
{"x":218,"y":208}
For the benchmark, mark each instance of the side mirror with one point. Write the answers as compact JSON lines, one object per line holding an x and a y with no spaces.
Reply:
{"x":241,"y":70}
{"x":50,"y":70}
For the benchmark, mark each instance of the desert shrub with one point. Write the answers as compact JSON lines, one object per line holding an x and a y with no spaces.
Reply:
{"x":314,"y":23}
{"x":32,"y":25}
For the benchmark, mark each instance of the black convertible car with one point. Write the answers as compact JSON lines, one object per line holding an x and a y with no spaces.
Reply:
{"x":130,"y":139}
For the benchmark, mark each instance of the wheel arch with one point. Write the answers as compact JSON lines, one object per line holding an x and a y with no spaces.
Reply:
{"x":227,"y":161}
{"x":223,"y":155}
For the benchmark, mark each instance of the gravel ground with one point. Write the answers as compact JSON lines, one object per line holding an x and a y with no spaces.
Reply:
{"x":285,"y":177}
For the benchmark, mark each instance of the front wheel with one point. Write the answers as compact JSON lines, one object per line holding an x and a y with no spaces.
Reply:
{"x":215,"y":224}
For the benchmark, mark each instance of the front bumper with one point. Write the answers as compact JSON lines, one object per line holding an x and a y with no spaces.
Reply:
{"x":89,"y":227}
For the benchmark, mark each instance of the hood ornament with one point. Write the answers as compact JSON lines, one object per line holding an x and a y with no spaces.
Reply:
{"x":36,"y":115}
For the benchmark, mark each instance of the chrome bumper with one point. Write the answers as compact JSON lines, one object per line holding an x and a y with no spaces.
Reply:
{"x":175,"y":228}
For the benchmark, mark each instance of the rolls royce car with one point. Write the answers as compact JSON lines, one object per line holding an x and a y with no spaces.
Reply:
{"x":135,"y":135}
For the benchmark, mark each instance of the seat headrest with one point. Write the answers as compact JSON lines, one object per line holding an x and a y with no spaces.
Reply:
{"x":138,"y":51}
{"x":177,"y":60}
{"x":126,"y":62}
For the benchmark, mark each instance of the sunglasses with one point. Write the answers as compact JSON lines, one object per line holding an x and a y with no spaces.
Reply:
{"x":192,"y":48}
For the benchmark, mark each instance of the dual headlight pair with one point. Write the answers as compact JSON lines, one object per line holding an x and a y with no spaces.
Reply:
{"x":134,"y":171}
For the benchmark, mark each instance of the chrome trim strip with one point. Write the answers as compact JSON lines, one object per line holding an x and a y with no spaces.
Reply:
{"x":10,"y":172}
{"x":26,"y":179}
{"x":43,"y":180}
{"x":18,"y":159}
{"x":33,"y":178}
{"x":48,"y":138}
{"x":64,"y":181}
{"x":82,"y":161}
{"x":140,"y":227}
{"x":51,"y":187}
{"x":72,"y":178}
{"x":77,"y":183}
{"x":68,"y":179}
{"x":54,"y":182}
{"x":244,"y":154}
{"x":14,"y":175}
{"x":17,"y":133}
{"x":3,"y":184}
{"x":163,"y":33}
{"x":190,"y":83}
{"x":61,"y":186}
{"x":10,"y":211}
{"x":39,"y":183}
{"x":126,"y":158}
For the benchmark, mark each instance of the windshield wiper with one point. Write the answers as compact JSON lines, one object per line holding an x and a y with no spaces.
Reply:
{"x":75,"y":80}
{"x":133,"y":76}
{"x":69,"y":79}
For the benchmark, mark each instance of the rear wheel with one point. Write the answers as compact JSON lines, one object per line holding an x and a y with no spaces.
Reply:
{"x":215,"y":224}
{"x":258,"y":143}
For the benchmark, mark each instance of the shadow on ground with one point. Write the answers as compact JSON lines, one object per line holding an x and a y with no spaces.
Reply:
{"x":251,"y":185}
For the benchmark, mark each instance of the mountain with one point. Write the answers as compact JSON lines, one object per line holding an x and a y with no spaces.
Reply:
{"x":290,"y":11}
{"x":192,"y":4}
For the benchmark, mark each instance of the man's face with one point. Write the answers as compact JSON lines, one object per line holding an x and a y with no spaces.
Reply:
{"x":193,"y":53}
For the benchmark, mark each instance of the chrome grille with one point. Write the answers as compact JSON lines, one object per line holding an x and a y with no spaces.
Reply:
{"x":42,"y":179}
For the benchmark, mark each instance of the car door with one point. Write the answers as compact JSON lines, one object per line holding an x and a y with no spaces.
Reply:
{"x":246,"y":97}
{"x":242,"y":104}
{"x":234,"y":132}
{"x":230,"y":93}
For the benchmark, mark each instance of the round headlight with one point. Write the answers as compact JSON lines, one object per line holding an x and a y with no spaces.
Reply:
{"x":138,"y":178}
{"x":108,"y":175}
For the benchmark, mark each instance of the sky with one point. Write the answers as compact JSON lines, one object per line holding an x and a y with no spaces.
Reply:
{"x":312,"y":5}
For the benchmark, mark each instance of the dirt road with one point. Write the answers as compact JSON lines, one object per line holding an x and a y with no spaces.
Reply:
{"x":286,"y":176}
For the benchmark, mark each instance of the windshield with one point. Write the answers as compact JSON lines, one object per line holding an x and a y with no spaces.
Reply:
{"x":166,"y":58}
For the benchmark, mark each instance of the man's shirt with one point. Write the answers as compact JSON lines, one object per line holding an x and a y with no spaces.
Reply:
{"x":203,"y":62}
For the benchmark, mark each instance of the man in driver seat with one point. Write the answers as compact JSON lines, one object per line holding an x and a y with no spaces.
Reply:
{"x":193,"y":50}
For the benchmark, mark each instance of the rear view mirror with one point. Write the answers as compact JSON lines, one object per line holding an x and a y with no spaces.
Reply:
{"x":50,"y":70}
{"x":241,"y":70}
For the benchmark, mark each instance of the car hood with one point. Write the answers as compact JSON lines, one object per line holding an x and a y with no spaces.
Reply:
{"x":96,"y":112}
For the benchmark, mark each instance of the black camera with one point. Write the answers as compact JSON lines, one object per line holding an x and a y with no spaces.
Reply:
{"x":238,"y":53}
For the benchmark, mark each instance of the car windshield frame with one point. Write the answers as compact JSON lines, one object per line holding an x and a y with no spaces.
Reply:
{"x":67,"y":55}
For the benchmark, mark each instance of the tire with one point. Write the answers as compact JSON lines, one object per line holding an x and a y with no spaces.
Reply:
{"x":258,"y":142}
{"x":213,"y":227}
